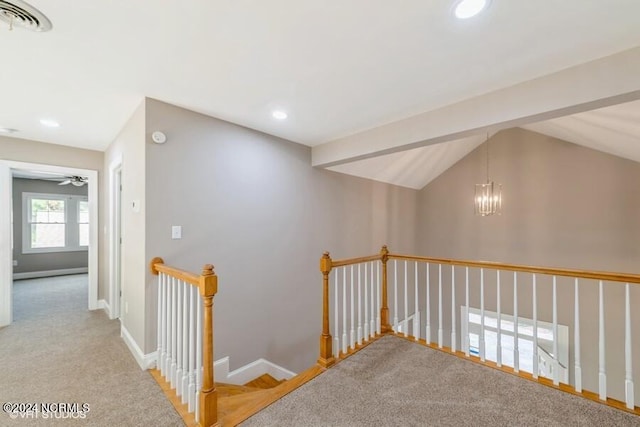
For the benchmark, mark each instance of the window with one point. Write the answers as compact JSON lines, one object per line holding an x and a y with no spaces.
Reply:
{"x":83,"y":223}
{"x":525,"y":341}
{"x":54,"y":223}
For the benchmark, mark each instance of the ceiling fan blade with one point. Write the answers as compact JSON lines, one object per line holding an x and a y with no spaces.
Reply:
{"x":65,"y":182}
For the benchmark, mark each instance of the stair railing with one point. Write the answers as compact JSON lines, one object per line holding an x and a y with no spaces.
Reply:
{"x":185,"y":337}
{"x":431,"y":304}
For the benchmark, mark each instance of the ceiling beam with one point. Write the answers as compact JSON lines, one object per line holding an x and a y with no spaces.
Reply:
{"x":600,"y":83}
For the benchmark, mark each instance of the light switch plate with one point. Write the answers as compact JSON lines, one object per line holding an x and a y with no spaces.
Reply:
{"x":176,"y":232}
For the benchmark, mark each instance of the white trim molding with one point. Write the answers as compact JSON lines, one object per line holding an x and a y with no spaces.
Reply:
{"x":50,"y":273}
{"x":6,"y":251}
{"x":104,"y":305}
{"x":249,"y":372}
{"x":145,"y":361}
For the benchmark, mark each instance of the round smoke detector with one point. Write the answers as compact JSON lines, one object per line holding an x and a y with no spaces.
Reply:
{"x":17,"y":13}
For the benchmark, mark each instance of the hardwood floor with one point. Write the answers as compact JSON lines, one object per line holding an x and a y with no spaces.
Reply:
{"x":264,"y":381}
{"x":236,"y":403}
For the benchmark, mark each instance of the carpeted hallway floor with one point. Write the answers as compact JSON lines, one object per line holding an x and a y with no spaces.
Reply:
{"x":58,"y":351}
{"x":394,"y":382}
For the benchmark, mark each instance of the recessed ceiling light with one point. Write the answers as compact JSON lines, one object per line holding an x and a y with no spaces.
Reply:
{"x":279,"y":115}
{"x":468,"y":8}
{"x":8,"y":130}
{"x":49,"y":123}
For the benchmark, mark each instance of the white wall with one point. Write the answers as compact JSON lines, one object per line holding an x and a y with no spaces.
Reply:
{"x":129,"y":146}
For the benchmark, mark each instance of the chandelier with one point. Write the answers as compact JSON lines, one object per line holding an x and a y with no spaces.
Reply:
{"x":488,"y":200}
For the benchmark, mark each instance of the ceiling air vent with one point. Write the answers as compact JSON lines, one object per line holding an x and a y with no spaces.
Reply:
{"x":17,"y":13}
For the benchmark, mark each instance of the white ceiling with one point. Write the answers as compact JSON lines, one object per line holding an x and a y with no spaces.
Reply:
{"x":412,"y":168}
{"x":614,"y":130}
{"x":337,"y":67}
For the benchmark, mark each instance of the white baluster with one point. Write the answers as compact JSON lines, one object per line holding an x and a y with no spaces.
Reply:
{"x":169,"y":346}
{"x":174,"y":333}
{"x":453,"y":308}
{"x":179,"y":302}
{"x":336,"y":323}
{"x":395,"y":295}
{"x":535,"y":328}
{"x":428,"y":311}
{"x":159,"y":324}
{"x":516,"y":352}
{"x":366,"y":303}
{"x":406,"y":301}
{"x":499,"y":343}
{"x":416,"y":311}
{"x":167,"y":369}
{"x":163,"y":325}
{"x":359,"y":332}
{"x":555,"y":364}
{"x":198,"y":352}
{"x":576,"y":343}
{"x":185,"y":344}
{"x":372,"y":323}
{"x":440,"y":331}
{"x":378,"y":303}
{"x":602,"y":374}
{"x":628,"y":361}
{"x":192,"y":348}
{"x":344,"y":310}
{"x":482,"y":353}
{"x":467,"y":341}
{"x":352,"y":336}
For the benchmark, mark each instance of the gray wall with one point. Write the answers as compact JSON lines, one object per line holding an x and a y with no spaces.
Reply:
{"x":564,"y":206}
{"x":42,"y":261}
{"x":252,"y":205}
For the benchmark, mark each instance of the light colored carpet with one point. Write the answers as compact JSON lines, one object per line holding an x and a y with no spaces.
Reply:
{"x":394,"y":382}
{"x":58,"y":351}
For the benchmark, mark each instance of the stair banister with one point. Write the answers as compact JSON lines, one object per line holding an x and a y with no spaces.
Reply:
{"x":326,"y":352}
{"x":208,"y":396}
{"x":206,"y":285}
{"x":548,"y":276}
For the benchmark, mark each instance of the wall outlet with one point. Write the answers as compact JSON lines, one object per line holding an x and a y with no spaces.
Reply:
{"x":15,"y":262}
{"x":176,"y":232}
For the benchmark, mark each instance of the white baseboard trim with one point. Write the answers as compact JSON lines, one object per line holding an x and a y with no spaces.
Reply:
{"x":49,"y":273}
{"x":145,"y":361}
{"x":104,"y":305}
{"x":249,"y":372}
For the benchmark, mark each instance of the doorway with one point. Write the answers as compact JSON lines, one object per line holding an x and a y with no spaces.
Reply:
{"x":6,"y":233}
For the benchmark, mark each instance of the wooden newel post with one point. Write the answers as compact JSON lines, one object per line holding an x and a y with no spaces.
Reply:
{"x":208,"y":395}
{"x":326,"y":351}
{"x":384,"y":310}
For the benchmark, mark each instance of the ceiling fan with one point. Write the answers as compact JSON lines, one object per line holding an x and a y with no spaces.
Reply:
{"x":78,"y":181}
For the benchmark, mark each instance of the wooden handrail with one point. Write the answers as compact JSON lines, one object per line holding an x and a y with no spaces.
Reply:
{"x":582,"y":274}
{"x":352,"y":261}
{"x":207,"y":283}
{"x":157,"y":265}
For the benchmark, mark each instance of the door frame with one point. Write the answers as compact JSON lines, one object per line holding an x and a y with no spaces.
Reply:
{"x":6,"y":254}
{"x":115,"y":237}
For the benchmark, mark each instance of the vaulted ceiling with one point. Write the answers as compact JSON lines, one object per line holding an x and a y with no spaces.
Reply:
{"x":372,"y":86}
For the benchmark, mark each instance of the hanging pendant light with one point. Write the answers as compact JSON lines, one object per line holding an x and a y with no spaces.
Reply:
{"x":488,"y":200}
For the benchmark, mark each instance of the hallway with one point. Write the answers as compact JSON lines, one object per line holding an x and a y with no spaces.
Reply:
{"x":58,"y":352}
